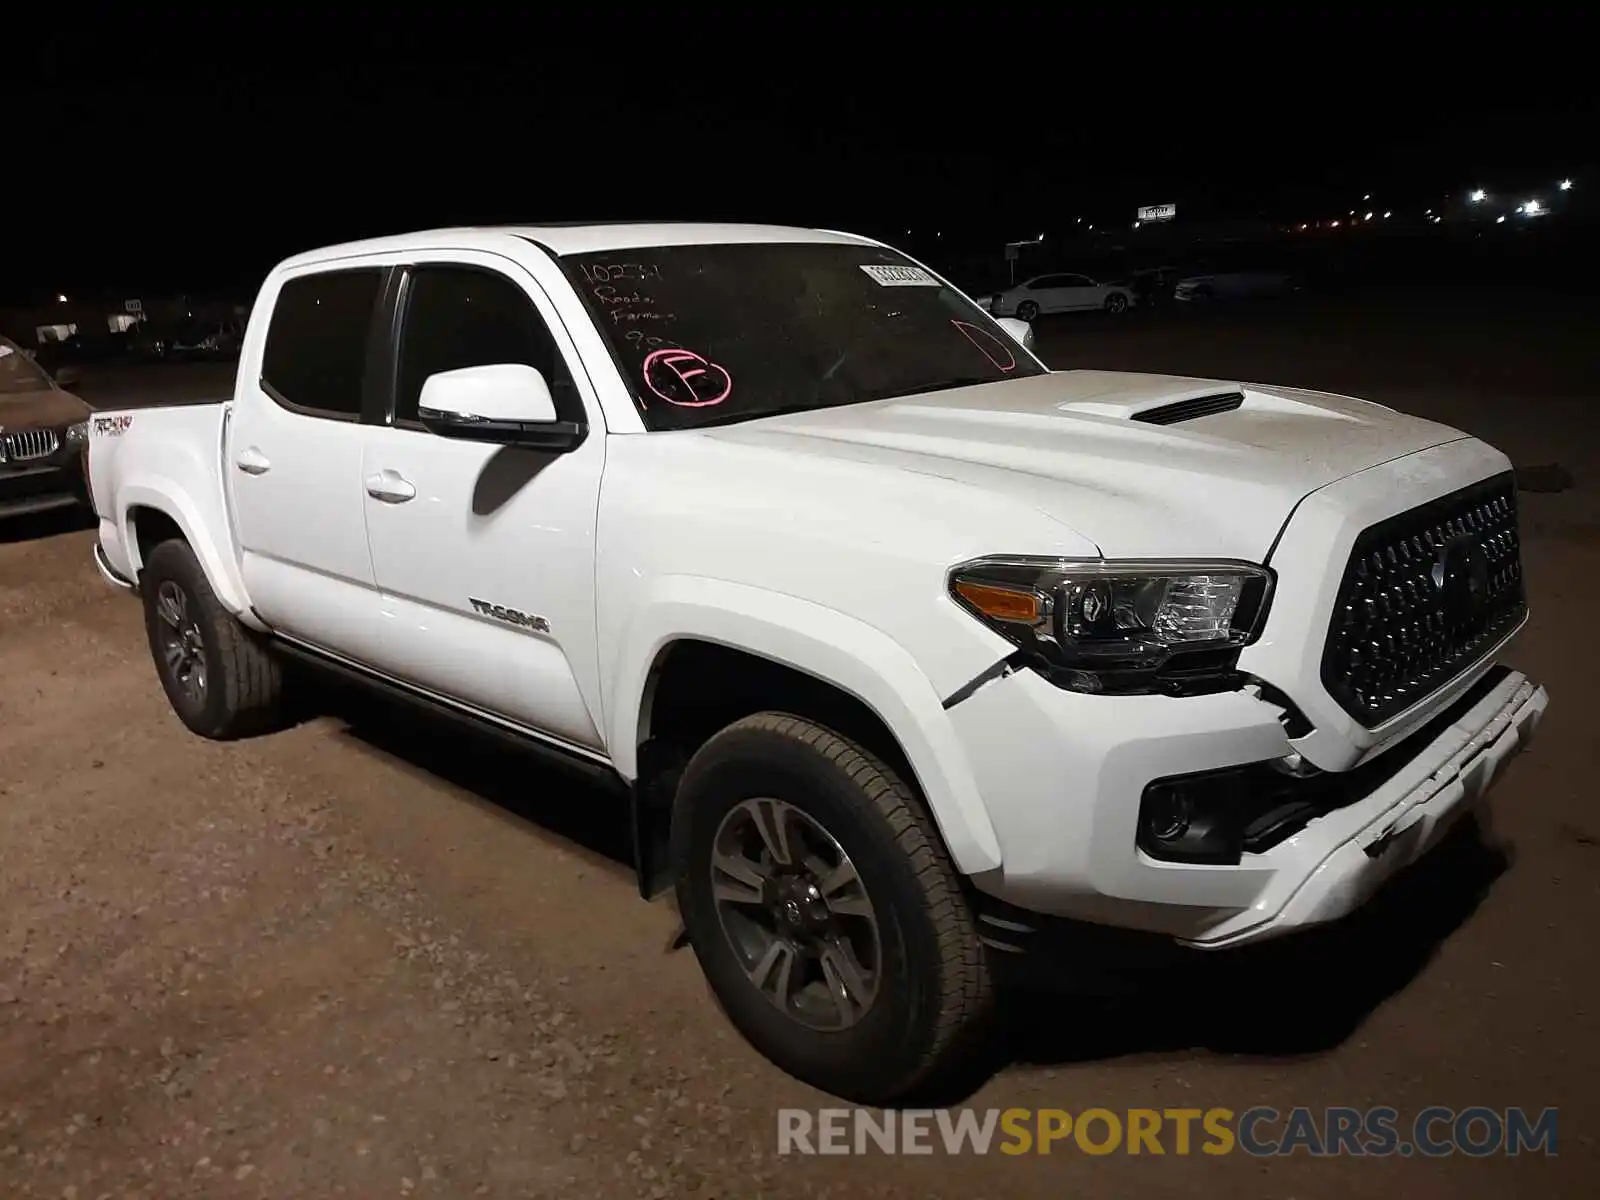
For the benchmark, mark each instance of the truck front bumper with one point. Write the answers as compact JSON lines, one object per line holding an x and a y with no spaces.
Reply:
{"x":1064,"y":775}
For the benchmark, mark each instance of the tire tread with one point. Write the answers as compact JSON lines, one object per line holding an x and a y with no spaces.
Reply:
{"x":251,"y":676}
{"x":966,"y":990}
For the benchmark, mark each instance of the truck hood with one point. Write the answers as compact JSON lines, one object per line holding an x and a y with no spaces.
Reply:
{"x":46,"y":407}
{"x":1109,"y":456}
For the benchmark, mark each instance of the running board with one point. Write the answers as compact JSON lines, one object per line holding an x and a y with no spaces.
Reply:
{"x":555,"y":750}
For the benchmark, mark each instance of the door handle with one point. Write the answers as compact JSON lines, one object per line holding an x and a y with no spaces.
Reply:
{"x":391,"y":487}
{"x":252,"y":462}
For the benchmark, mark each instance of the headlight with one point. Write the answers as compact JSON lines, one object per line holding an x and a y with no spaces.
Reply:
{"x":78,"y":433}
{"x":1119,"y":627}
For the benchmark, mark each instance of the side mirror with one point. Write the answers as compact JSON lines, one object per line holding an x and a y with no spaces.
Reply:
{"x":506,"y":403}
{"x":1021,"y":331}
{"x":68,"y":377}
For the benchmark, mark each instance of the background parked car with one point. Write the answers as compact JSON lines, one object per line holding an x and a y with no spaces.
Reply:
{"x":203,"y":341}
{"x":1235,"y":285}
{"x":43,"y":429}
{"x":1153,"y":285}
{"x":1061,"y":293}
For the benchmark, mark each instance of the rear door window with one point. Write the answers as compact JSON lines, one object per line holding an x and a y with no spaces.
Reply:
{"x":315,"y":360}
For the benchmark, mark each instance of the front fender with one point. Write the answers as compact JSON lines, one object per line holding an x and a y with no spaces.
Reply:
{"x":210,"y":544}
{"x":830,"y":646}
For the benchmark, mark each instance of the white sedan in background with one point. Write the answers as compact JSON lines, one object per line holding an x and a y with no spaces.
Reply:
{"x":1060,"y":293}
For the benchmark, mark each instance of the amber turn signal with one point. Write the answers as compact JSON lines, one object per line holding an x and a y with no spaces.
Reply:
{"x":1000,"y":603}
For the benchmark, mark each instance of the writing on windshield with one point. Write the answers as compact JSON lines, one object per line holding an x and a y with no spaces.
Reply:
{"x":707,"y":334}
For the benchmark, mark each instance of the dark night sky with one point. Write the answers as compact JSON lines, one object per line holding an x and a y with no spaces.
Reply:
{"x":161,"y":160}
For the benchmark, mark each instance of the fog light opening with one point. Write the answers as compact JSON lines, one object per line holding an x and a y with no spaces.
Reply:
{"x":1168,"y":815}
{"x":1192,"y":820}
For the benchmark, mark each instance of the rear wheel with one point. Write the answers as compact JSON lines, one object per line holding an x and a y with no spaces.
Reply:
{"x":1116,"y":303}
{"x":221,"y":681}
{"x":825,"y":912}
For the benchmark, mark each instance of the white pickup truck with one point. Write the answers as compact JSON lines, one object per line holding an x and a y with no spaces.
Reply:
{"x":918,"y":659}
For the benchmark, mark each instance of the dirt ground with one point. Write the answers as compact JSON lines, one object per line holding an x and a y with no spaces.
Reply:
{"x":374,"y":957}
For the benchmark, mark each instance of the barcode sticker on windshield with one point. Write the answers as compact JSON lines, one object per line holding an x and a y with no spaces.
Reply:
{"x":900,"y":276}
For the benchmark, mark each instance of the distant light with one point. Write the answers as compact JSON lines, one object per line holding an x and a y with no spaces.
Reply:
{"x":1352,"y":212}
{"x":1566,"y":185}
{"x":1302,"y":225}
{"x":1368,"y":196}
{"x":1041,"y":237}
{"x":1500,"y":220}
{"x":1368,"y":217}
{"x":1533,"y":208}
{"x":1478,"y":196}
{"x":1136,"y":224}
{"x":1091,"y":226}
{"x":1386,"y":216}
{"x":1334,"y":224}
{"x":61,"y":299}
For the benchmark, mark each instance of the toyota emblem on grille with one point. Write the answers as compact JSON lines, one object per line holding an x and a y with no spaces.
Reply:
{"x":1461,"y":576}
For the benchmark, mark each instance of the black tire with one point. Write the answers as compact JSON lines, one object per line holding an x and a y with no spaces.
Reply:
{"x":933,"y":992}
{"x":1116,"y":303}
{"x":1028,"y":310}
{"x":241,"y":689}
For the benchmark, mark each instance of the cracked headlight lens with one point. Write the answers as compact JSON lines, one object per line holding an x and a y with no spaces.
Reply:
{"x":1119,"y":627}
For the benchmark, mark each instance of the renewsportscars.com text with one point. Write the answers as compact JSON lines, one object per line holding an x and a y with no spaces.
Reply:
{"x":1378,"y":1132}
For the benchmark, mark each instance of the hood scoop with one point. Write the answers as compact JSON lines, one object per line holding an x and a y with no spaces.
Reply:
{"x":1148,"y":399}
{"x":1190,"y":410}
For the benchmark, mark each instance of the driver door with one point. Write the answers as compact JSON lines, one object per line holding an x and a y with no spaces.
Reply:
{"x":484,"y":553}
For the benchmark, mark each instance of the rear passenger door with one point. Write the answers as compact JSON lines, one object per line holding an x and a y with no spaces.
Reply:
{"x":484,"y":554}
{"x":293,"y":461}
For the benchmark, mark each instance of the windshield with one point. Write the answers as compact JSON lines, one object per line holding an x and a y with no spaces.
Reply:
{"x":18,"y":372}
{"x":708,"y":334}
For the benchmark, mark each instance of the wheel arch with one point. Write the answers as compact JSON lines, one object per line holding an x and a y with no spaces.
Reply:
{"x":782,"y":650}
{"x":152,"y":512}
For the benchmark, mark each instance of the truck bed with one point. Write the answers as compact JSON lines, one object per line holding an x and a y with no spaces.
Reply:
{"x":166,"y":456}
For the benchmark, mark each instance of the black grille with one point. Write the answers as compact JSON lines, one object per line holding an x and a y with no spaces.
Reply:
{"x":1189,"y":410}
{"x":1424,"y":596}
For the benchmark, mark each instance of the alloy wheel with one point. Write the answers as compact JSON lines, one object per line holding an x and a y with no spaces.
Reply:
{"x":182,"y":648}
{"x":796,"y":914}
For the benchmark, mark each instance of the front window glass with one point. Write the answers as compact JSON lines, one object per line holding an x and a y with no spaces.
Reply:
{"x":709,"y":334}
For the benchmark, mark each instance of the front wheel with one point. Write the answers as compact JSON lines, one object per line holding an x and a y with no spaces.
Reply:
{"x":221,"y":681}
{"x":1116,"y":303}
{"x":825,"y":912}
{"x":1028,"y":310}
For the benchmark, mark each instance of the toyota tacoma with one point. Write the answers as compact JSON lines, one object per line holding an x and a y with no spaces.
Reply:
{"x":909,"y":651}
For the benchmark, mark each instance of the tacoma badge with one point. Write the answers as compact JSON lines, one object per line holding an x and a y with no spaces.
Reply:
{"x":511,"y":616}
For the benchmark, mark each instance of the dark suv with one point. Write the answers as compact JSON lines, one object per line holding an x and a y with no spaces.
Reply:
{"x":43,"y":430}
